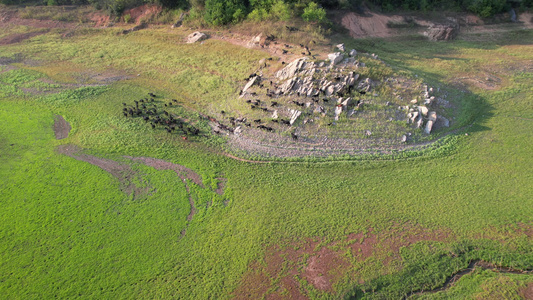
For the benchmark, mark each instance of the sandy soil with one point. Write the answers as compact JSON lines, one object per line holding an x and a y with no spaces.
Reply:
{"x":61,"y":128}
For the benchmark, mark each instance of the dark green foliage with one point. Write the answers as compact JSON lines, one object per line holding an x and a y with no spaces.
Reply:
{"x":486,"y":8}
{"x":220,"y":12}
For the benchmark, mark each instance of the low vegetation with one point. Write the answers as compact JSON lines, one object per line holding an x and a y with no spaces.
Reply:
{"x":398,"y":226}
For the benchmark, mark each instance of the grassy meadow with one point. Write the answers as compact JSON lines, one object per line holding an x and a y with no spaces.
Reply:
{"x":68,"y":230}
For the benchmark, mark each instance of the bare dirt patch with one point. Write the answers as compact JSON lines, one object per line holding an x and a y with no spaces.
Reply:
{"x":370,"y":24}
{"x":61,"y":128}
{"x":19,"y":37}
{"x":527,"y":292}
{"x":322,"y":267}
{"x":138,"y":14}
{"x":159,"y":164}
{"x":122,"y":172}
{"x":221,"y":185}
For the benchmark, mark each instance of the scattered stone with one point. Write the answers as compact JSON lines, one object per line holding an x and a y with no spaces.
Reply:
{"x":275,"y":114}
{"x":353,"y":52}
{"x":196,"y":37}
{"x":340,"y":47}
{"x":403,"y":139}
{"x":368,"y":133}
{"x":423,"y":110}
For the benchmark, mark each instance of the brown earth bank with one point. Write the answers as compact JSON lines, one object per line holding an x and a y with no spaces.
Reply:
{"x":297,"y":268}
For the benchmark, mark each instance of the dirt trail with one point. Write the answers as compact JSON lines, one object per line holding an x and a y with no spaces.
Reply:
{"x":122,"y":172}
{"x":183,"y":173}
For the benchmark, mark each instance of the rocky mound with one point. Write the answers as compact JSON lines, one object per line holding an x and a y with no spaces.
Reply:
{"x":335,"y":106}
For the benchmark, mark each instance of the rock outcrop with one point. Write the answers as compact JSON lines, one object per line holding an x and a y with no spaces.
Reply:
{"x":442,"y":32}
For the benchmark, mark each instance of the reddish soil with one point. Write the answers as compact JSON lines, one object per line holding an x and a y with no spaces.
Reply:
{"x":61,"y":128}
{"x":323,"y":267}
{"x":122,"y":172}
{"x":527,"y":292}
{"x":137,"y":14}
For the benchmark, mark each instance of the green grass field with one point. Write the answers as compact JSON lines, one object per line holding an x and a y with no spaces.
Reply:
{"x":69,"y":231}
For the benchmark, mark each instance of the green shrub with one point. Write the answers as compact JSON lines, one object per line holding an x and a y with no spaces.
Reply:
{"x":127,"y":18}
{"x":486,"y":8}
{"x":313,"y":13}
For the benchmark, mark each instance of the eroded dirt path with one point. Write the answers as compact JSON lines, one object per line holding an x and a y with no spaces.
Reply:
{"x":122,"y":172}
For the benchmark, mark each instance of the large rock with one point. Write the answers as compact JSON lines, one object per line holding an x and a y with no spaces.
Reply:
{"x":249,"y":84}
{"x":291,"y":69}
{"x":196,"y":37}
{"x":442,"y":32}
{"x":294,"y":115}
{"x":335,"y":58}
{"x":429,"y":125}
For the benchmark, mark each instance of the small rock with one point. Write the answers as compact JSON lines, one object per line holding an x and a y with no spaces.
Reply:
{"x":403,"y":139}
{"x":368,"y":133}
{"x":353,"y":52}
{"x":195,"y":37}
{"x":340,"y":47}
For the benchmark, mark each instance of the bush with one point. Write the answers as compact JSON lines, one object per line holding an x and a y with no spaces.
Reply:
{"x":220,"y":12}
{"x":486,"y":8}
{"x":313,"y":13}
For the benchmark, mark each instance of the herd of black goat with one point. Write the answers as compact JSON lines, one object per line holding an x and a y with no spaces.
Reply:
{"x":150,"y":110}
